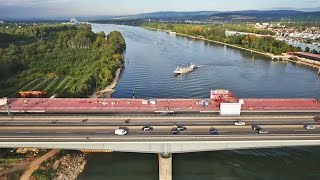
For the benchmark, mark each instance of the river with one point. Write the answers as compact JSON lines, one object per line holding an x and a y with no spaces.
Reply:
{"x":152,"y":56}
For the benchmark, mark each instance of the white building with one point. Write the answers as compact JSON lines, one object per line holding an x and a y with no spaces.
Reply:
{"x":237,"y":33}
{"x":74,"y":21}
{"x":1,"y":22}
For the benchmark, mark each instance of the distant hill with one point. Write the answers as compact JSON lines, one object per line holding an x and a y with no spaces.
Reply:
{"x":248,"y":15}
{"x":174,"y":14}
{"x":307,"y":15}
{"x":272,"y":15}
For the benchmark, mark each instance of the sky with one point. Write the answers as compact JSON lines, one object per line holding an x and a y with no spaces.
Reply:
{"x":59,"y":8}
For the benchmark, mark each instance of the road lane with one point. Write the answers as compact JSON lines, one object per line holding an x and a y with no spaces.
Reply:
{"x":159,"y":138}
{"x":102,"y":128}
{"x":150,"y":122}
{"x":158,"y":130}
{"x":150,"y":118}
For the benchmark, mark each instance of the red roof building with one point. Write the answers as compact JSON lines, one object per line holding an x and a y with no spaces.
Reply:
{"x":315,"y":57}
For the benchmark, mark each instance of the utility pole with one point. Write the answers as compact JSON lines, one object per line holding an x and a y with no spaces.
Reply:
{"x":8,"y":109}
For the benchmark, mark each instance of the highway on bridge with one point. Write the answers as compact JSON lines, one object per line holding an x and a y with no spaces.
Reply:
{"x":101,"y":128}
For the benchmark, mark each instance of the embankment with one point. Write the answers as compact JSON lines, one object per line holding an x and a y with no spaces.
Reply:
{"x":305,"y":62}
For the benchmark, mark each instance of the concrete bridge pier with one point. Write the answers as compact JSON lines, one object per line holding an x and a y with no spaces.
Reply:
{"x":165,"y":166}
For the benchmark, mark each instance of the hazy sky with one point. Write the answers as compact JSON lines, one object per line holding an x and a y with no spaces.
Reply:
{"x":47,"y":8}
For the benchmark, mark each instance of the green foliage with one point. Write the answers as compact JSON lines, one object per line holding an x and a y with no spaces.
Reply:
{"x":217,"y":33}
{"x":66,"y":60}
{"x":117,"y":42}
{"x":294,"y":58}
{"x":10,"y":160}
{"x":265,"y":44}
{"x":43,"y":175}
{"x":307,"y":49}
{"x":315,"y":51}
{"x":43,"y":30}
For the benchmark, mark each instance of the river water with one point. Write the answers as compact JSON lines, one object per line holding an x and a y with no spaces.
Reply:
{"x":151,"y":58}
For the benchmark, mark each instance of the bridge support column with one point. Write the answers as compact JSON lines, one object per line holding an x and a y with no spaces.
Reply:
{"x":165,"y":166}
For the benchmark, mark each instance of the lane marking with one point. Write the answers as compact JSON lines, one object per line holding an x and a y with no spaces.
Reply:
{"x":23,"y":132}
{"x":64,"y":132}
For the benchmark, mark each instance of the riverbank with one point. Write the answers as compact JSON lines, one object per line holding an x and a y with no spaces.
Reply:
{"x":109,"y":90}
{"x":56,"y":165}
{"x":310,"y":63}
{"x":70,"y":166}
{"x":36,"y":163}
{"x":218,"y":42}
{"x":284,"y":57}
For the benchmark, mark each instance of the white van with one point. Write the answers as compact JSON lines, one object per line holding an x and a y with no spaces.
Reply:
{"x":120,"y":132}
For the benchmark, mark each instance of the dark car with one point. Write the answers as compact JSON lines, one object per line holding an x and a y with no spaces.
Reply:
{"x":54,"y":122}
{"x":147,"y":129}
{"x":317,"y":118}
{"x":214,"y":131}
{"x":175,"y":131}
{"x":181,"y":129}
{"x":256,"y":127}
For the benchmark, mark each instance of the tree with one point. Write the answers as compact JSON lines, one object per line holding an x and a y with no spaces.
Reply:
{"x":314,"y":51}
{"x":307,"y":49}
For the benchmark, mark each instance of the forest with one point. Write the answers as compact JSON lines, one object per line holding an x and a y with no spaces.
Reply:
{"x":63,"y":60}
{"x":217,"y":33}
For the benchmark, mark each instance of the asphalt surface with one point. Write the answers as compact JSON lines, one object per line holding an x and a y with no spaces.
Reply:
{"x":99,"y":128}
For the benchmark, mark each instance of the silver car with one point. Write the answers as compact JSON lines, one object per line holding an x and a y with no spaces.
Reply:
{"x":239,"y":123}
{"x":309,"y":127}
{"x":182,"y":129}
{"x":263,"y":131}
{"x":147,"y":129}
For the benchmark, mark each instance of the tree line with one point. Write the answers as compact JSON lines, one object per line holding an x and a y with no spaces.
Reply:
{"x":217,"y":33}
{"x":67,"y":60}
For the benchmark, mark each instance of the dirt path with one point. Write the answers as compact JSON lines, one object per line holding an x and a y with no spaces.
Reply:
{"x":36,"y":163}
{"x":15,"y":168}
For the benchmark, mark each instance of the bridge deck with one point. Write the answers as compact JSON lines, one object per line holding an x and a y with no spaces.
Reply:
{"x":280,"y":104}
{"x":139,"y":105}
{"x":109,"y":105}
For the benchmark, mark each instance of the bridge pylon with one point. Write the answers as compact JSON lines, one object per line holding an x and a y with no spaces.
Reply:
{"x":165,"y":166}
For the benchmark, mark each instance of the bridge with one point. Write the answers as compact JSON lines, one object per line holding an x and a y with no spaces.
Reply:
{"x":89,"y":124}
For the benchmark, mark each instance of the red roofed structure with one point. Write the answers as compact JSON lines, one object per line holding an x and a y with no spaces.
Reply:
{"x":315,"y":57}
{"x":32,"y":94}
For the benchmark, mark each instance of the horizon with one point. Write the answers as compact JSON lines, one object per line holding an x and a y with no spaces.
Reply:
{"x":11,"y":9}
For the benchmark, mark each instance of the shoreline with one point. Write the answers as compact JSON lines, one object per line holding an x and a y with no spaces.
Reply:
{"x":109,"y":90}
{"x":305,"y":62}
{"x":218,"y":42}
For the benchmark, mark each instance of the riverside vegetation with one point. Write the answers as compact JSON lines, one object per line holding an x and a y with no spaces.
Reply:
{"x":216,"y":32}
{"x":66,"y":165}
{"x":65,"y":60}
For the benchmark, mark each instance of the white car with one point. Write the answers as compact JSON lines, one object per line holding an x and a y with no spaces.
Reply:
{"x":263,"y":131}
{"x":120,"y":132}
{"x":239,"y":123}
{"x":309,"y":127}
{"x":147,"y":129}
{"x":182,"y":129}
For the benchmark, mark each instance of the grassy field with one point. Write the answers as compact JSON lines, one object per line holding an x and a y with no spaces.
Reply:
{"x":54,"y":86}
